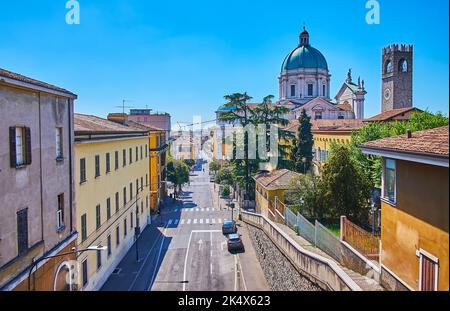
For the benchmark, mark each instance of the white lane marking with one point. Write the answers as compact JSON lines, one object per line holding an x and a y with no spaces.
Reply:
{"x":219,"y":220}
{"x":176,"y":221}
{"x":235,"y":273}
{"x":207,"y":209}
{"x":211,"y":254}
{"x":159,"y":255}
{"x":213,"y":221}
{"x":207,"y":220}
{"x":195,"y":220}
{"x":188,"y":221}
{"x":182,"y":221}
{"x":242,"y":274}
{"x":169,"y":222}
{"x":201,"y":220}
{"x":197,"y":209}
{"x":185,"y":261}
{"x":202,"y":209}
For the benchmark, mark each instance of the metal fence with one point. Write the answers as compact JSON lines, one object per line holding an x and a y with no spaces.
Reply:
{"x":291,"y":219}
{"x":306,"y":229}
{"x":363,"y":241}
{"x":328,"y":242}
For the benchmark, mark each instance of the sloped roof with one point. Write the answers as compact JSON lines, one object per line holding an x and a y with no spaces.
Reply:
{"x":431,"y":142}
{"x":143,"y":126}
{"x":276,"y":180}
{"x":389,"y":115}
{"x":328,"y":125}
{"x":18,"y":77}
{"x":90,"y":123}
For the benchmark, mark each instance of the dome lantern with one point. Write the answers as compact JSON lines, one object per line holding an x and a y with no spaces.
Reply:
{"x":304,"y":37}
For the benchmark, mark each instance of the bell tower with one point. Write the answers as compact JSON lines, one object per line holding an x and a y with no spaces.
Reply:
{"x":397,"y":73}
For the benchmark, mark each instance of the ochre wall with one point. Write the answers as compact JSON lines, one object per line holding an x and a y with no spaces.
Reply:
{"x":419,"y":220}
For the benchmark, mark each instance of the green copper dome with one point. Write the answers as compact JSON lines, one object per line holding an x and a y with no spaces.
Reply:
{"x":304,"y":57}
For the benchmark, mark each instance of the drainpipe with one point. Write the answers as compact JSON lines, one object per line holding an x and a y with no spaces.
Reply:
{"x":71,"y":142}
{"x":40,"y":169}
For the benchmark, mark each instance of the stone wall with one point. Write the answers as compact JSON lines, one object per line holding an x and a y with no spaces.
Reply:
{"x":279,"y":272}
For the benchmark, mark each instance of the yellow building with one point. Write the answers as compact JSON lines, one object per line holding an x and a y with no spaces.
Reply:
{"x":112,"y":193}
{"x":269,"y":186}
{"x":157,"y":163}
{"x":325,"y":133}
{"x":414,"y":209}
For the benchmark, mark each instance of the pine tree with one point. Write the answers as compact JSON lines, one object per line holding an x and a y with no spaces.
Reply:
{"x":302,"y":146}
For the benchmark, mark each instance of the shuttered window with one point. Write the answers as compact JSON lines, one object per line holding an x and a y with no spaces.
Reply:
{"x":137,"y":154}
{"x":83,"y":228}
{"x":428,"y":273}
{"x":117,"y":202}
{"x":108,"y":208}
{"x":82,"y":170}
{"x":97,"y":166}
{"x":131,"y":155}
{"x":59,"y":143}
{"x":116,"y":160}
{"x":117,"y":236}
{"x":85,"y":272}
{"x":98,"y":219}
{"x":124,"y":158}
{"x":124,"y":196}
{"x":131,"y":190}
{"x":109,"y":245}
{"x":20,"y":146}
{"x":22,"y":231}
{"x":108,"y":163}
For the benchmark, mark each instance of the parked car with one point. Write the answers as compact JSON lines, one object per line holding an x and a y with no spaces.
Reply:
{"x":229,"y":227}
{"x":212,"y":178}
{"x":235,"y":242}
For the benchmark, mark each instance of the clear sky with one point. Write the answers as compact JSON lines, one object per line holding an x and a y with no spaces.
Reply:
{"x":182,"y":57}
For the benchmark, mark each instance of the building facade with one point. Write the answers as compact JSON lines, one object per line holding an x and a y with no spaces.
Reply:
{"x":112,"y":193}
{"x":159,"y":120}
{"x":414,"y":210}
{"x":37,"y":215}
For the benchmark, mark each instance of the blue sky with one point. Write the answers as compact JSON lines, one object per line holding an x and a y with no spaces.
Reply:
{"x":182,"y":57}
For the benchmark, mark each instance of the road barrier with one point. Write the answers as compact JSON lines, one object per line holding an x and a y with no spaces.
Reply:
{"x":320,"y":270}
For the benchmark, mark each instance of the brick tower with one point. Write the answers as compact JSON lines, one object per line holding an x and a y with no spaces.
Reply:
{"x":397,"y":73}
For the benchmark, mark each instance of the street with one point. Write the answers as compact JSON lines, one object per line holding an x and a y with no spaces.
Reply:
{"x":184,"y":249}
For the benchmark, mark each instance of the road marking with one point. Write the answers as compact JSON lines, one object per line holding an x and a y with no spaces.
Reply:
{"x":202,"y":209}
{"x":207,"y":220}
{"x":197,"y":209}
{"x":188,"y":221}
{"x":157,"y":260}
{"x":211,"y":254}
{"x":207,"y":209}
{"x":213,"y":221}
{"x":235,"y":273}
{"x":185,"y":260}
{"x":176,"y":210}
{"x":219,"y":220}
{"x":195,"y":220}
{"x":201,"y":220}
{"x":182,"y":221}
{"x":169,"y":222}
{"x":241,"y":273}
{"x":176,"y":222}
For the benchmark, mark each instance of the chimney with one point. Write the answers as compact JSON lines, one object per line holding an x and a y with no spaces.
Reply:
{"x":120,"y":118}
{"x":409,"y":133}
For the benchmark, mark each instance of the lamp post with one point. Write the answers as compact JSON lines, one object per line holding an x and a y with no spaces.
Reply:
{"x":74,"y":251}
{"x":304,"y":164}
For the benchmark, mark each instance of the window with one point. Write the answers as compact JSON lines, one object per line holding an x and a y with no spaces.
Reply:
{"x":403,"y":66}
{"x":340,"y":117}
{"x":97,"y":166}
{"x":131,"y":220}
{"x":142,"y":207}
{"x":137,"y":186}
{"x":124,"y":196}
{"x":108,"y":242}
{"x":124,"y":158}
{"x":108,"y":164}
{"x":98,"y":217}
{"x":99,"y":260}
{"x":389,"y":67}
{"x":137,"y":215}
{"x":20,"y":146}
{"x":142,"y":183}
{"x":292,"y":90}
{"x":22,"y":231}
{"x":146,"y":202}
{"x":310,"y":89}
{"x":146,"y":151}
{"x":117,"y":202}
{"x":429,"y":271}
{"x":60,"y":212}
{"x":324,"y":90}
{"x":146,"y":179}
{"x":85,"y":272}
{"x":108,"y":208}
{"x":83,"y":228}
{"x":82,"y":170}
{"x":117,"y":236}
{"x":116,"y":160}
{"x":318,"y":115}
{"x":390,"y":180}
{"x":137,"y":154}
{"x":131,"y":155}
{"x":125,"y":227}
{"x":59,"y":145}
{"x":131,"y":190}
{"x":141,"y":153}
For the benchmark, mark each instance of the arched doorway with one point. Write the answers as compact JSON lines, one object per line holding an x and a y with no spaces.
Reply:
{"x":63,"y":278}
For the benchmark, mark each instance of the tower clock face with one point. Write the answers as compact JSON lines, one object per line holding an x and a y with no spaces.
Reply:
{"x":387,"y":94}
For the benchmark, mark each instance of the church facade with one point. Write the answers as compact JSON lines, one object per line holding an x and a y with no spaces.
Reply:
{"x":304,"y":84}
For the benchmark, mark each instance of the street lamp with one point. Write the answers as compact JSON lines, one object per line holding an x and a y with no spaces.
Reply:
{"x":304,"y":164}
{"x":74,"y":251}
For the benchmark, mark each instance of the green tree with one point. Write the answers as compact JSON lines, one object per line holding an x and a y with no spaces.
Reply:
{"x":302,"y":145}
{"x":177,"y":173}
{"x":343,"y":188}
{"x":214,"y":166}
{"x":189,"y":162}
{"x":225,"y":175}
{"x":303,"y":196}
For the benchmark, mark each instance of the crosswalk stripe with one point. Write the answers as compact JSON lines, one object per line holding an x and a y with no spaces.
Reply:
{"x":207,"y":220}
{"x":201,"y":220}
{"x":169,"y":222}
{"x":219,"y":220}
{"x":176,"y":222}
{"x":182,"y":221}
{"x":188,"y":221}
{"x":213,"y":221}
{"x":195,"y":220}
{"x":207,"y":209}
{"x":197,"y":209}
{"x":202,"y":209}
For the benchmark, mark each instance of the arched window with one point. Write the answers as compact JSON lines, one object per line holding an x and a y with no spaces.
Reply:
{"x":324,"y":89}
{"x":403,"y":65}
{"x":388,"y":68}
{"x":292,"y":90}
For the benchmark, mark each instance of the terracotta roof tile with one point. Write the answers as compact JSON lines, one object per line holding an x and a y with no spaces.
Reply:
{"x":388,"y":115}
{"x":278,"y":179}
{"x":90,"y":123}
{"x":328,"y":125}
{"x":21,"y":78}
{"x":143,"y":126}
{"x":431,"y":142}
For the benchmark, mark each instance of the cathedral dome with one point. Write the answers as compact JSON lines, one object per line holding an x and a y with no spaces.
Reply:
{"x":304,"y":56}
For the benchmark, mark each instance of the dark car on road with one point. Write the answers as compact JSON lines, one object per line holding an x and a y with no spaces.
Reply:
{"x":235,"y":243}
{"x":229,"y":227}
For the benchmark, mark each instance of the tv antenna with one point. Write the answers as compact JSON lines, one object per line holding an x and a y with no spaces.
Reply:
{"x":123,"y":105}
